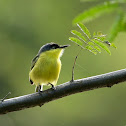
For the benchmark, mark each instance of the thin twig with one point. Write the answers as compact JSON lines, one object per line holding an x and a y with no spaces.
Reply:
{"x":74,"y":65}
{"x":5,"y":96}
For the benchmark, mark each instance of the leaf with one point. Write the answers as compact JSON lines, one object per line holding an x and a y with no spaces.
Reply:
{"x":101,"y":38}
{"x":84,"y":29}
{"x":89,"y":48}
{"x":97,"y":48}
{"x":116,"y":28}
{"x":79,"y":35}
{"x":102,"y":45}
{"x":77,"y":41}
{"x":91,"y":43}
{"x":94,"y":46}
{"x":94,"y":52}
{"x":113,"y":45}
{"x":95,"y":12}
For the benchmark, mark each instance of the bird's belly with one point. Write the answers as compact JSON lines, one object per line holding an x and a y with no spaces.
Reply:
{"x":45,"y":72}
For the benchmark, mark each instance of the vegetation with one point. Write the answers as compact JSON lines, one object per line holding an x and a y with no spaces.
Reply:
{"x":98,"y":40}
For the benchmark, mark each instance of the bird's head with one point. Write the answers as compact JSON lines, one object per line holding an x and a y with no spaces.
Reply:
{"x":52,"y":49}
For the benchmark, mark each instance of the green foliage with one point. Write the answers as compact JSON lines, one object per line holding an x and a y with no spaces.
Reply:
{"x":97,"y":48}
{"x":89,"y":48}
{"x":101,"y":45}
{"x":92,"y":44}
{"x":119,"y":23}
{"x":96,"y":11}
{"x":76,"y":40}
{"x":110,"y":44}
{"x":124,"y":26}
{"x":99,"y":36}
{"x":116,"y":27}
{"x":113,"y":45}
{"x":84,"y":30}
{"x":79,"y":35}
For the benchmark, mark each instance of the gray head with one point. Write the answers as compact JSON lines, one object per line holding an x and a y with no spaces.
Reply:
{"x":50,"y":46}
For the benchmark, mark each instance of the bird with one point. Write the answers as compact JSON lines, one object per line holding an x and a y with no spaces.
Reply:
{"x":46,"y":66}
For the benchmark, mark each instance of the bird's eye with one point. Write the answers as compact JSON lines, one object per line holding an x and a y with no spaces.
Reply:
{"x":53,"y":47}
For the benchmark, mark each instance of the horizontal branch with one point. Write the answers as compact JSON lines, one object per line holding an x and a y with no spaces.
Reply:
{"x":68,"y":88}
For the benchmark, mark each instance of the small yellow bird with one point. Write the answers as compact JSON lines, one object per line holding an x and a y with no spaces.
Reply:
{"x":46,"y":66}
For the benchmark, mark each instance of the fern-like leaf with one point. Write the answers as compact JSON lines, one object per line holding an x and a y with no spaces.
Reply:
{"x":95,"y":12}
{"x":97,"y":48}
{"x":101,"y":45}
{"x":79,"y":35}
{"x":99,"y":36}
{"x":91,"y":43}
{"x":77,"y":41}
{"x":94,"y":46}
{"x":84,"y":30}
{"x":91,"y":49}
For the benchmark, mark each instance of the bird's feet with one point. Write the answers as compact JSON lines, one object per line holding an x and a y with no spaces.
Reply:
{"x":52,"y":86}
{"x":38,"y":89}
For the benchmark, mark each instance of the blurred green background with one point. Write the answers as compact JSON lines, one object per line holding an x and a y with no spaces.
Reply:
{"x":25,"y":25}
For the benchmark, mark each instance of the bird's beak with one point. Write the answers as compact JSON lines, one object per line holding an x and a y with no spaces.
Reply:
{"x":64,"y":46}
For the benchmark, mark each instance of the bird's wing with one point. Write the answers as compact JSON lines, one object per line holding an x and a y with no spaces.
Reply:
{"x":34,"y":61}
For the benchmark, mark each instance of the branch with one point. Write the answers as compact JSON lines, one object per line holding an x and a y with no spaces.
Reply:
{"x":74,"y":65}
{"x":68,"y":88}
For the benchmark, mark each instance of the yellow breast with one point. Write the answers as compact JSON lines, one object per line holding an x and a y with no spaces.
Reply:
{"x":47,"y":68}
